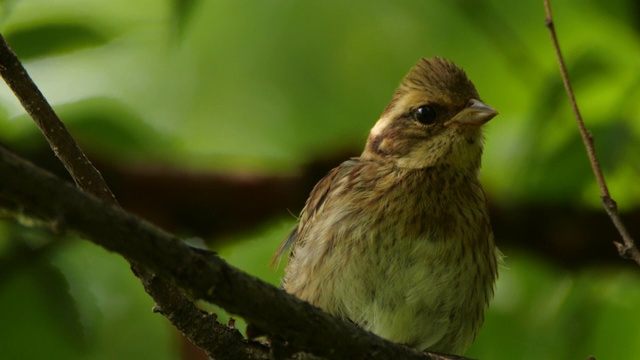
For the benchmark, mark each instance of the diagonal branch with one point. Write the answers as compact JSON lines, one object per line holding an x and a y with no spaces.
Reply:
{"x":628,"y":249}
{"x":202,"y":275}
{"x":175,"y":306}
{"x":86,"y":176}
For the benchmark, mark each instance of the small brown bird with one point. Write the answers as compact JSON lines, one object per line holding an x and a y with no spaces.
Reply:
{"x":399,"y":240}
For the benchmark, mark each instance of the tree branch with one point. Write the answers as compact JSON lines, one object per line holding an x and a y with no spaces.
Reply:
{"x":628,"y":249}
{"x":63,"y":145}
{"x":177,"y":308}
{"x":202,"y":275}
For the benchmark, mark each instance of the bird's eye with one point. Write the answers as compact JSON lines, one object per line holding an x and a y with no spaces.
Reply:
{"x":425,"y":114}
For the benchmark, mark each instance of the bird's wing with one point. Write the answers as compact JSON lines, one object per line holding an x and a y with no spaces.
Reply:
{"x":313,"y":206}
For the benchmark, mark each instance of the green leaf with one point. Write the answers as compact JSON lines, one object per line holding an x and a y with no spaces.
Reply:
{"x":36,"y":307}
{"x":53,"y":39}
{"x":181,"y":11}
{"x":109,"y":126}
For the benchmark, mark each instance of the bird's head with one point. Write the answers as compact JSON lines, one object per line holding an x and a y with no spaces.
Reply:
{"x":434,"y":118}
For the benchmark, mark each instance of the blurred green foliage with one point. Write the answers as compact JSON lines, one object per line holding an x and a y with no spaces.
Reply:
{"x":256,"y":85}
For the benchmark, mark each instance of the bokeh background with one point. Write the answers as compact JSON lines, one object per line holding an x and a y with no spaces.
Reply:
{"x":213,"y":119}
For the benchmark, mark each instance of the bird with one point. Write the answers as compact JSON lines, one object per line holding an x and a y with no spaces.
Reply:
{"x":398,"y":240}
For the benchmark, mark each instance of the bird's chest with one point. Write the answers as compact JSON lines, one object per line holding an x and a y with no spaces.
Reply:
{"x":412,"y":256}
{"x":418,"y":258}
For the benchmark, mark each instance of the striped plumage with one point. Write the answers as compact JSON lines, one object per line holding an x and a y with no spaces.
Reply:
{"x":399,"y":240}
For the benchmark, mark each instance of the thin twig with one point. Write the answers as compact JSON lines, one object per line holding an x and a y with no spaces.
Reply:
{"x":85,"y":175}
{"x":628,"y":249}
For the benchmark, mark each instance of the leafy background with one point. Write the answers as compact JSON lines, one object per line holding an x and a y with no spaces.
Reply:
{"x":243,"y":90}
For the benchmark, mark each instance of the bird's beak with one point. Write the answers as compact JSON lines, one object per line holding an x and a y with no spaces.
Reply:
{"x":476,"y":113}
